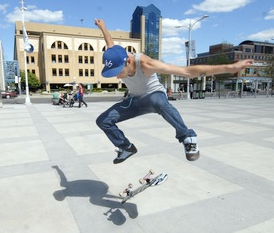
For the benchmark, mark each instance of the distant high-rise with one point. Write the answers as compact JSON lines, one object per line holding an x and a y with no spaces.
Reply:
{"x":2,"y":73}
{"x":146,"y":24}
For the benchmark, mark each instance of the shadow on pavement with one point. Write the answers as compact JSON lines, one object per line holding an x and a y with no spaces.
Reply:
{"x":97,"y":192}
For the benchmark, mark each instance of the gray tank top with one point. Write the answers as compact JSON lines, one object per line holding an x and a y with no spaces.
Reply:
{"x":139,"y":85}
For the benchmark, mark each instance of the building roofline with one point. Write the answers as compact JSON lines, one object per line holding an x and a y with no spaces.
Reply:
{"x":253,"y":42}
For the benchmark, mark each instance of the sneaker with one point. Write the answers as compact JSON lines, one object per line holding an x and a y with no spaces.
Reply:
{"x":191,"y":148}
{"x":124,"y":154}
{"x":160,"y":179}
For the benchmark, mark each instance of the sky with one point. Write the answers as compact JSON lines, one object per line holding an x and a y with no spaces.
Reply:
{"x":228,"y":21}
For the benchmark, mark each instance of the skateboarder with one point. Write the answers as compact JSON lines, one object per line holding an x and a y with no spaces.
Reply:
{"x":147,"y":94}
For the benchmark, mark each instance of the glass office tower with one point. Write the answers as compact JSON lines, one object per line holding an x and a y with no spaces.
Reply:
{"x":146,"y":24}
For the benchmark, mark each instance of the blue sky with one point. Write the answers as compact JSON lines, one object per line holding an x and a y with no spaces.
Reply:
{"x":230,"y":21}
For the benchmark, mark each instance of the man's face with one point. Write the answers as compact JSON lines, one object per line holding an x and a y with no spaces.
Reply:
{"x":123,"y":74}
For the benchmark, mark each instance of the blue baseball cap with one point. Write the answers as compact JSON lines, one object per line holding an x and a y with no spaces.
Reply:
{"x":114,"y":59}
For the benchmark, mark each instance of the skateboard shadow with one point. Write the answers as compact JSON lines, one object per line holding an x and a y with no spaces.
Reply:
{"x":97,"y":193}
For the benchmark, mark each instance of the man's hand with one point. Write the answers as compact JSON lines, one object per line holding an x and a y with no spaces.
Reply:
{"x":100,"y":23}
{"x":236,"y":67}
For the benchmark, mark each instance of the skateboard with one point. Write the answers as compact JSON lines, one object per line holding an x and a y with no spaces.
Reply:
{"x":146,"y":181}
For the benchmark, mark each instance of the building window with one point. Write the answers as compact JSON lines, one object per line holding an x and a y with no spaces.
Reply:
{"x":32,"y":60}
{"x":91,"y":60}
{"x":81,"y":72}
{"x":130,"y":49}
{"x":86,"y":72}
{"x":60,"y":58}
{"x":85,"y":47}
{"x":53,"y":45}
{"x":53,"y":58}
{"x":54,"y":72}
{"x":60,"y":72}
{"x":86,"y":59}
{"x":248,"y":71}
{"x":33,"y":71}
{"x":66,"y":58}
{"x":92,"y":73}
{"x":27,"y":57}
{"x":60,"y":45}
{"x":80,"y":59}
{"x":66,"y":72}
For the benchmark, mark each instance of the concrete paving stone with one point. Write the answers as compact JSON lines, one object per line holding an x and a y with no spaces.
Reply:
{"x":23,"y":152}
{"x":28,"y":205}
{"x":266,"y":226}
{"x":252,"y":158}
{"x":20,"y":131}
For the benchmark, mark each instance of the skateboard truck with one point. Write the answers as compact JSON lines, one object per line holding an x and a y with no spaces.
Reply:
{"x":147,"y":178}
{"x":126,"y":191}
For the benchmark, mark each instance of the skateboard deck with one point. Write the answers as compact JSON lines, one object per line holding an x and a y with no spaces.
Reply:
{"x":146,"y":182}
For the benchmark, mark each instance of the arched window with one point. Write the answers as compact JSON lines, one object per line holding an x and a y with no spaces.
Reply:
{"x":85,"y":47}
{"x":59,"y":45}
{"x":130,"y":49}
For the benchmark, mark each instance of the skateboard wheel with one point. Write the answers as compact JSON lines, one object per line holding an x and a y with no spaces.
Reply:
{"x":121,"y":194}
{"x":130,"y":185}
{"x":142,"y":181}
{"x":151,"y":171}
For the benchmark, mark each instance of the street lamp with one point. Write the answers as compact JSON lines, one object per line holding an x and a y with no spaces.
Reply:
{"x":190,"y":27}
{"x":27,"y":48}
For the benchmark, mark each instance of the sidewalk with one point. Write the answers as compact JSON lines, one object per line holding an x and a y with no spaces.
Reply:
{"x":57,"y":175}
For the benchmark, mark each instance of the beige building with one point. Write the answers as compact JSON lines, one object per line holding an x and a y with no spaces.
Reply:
{"x":64,"y":54}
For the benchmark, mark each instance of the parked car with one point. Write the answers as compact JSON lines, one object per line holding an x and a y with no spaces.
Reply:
{"x":9,"y":94}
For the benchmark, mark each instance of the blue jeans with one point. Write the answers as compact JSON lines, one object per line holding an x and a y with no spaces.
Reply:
{"x":131,"y":107}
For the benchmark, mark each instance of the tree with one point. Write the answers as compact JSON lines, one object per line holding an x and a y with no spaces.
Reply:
{"x":219,"y":59}
{"x":33,"y":81}
{"x":270,"y":69}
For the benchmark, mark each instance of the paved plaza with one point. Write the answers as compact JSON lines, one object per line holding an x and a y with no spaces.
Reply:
{"x":57,"y":174}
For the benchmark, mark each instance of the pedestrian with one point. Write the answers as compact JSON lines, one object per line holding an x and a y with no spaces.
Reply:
{"x":147,"y":94}
{"x":81,"y":92}
{"x":191,"y":91}
{"x":181,"y":90}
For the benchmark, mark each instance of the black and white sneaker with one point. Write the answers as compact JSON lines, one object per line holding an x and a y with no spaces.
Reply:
{"x":159,"y":179}
{"x":124,"y":154}
{"x":191,"y":148}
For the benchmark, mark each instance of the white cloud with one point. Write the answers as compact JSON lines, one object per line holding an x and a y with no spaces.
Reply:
{"x":172,"y":45}
{"x":263,"y":35}
{"x":169,"y":26}
{"x":270,"y":15}
{"x":218,"y":6}
{"x":3,"y":8}
{"x":35,"y":15}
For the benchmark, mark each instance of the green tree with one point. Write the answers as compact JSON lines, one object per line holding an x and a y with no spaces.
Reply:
{"x":219,"y":59}
{"x":270,"y":67}
{"x":270,"y":70}
{"x":33,"y":81}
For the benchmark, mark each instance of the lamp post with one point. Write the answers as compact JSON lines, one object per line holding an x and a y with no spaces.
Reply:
{"x":26,"y":49}
{"x":190,"y":27}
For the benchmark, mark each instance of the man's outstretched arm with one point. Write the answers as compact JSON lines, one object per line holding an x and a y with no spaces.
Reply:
{"x":101,"y":25}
